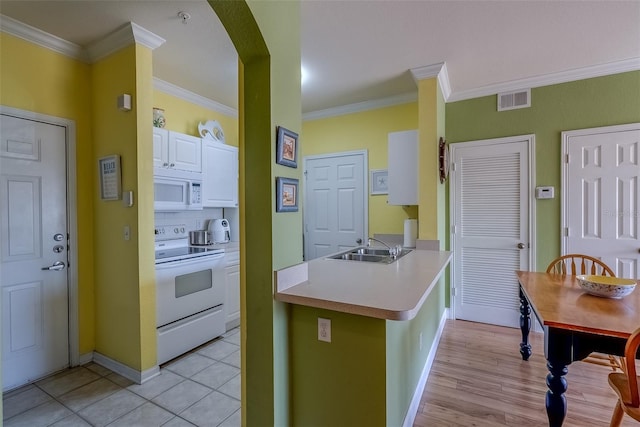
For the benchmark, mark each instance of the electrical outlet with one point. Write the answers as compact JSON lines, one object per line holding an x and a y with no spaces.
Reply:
{"x":324,"y":329}
{"x":126,"y":232}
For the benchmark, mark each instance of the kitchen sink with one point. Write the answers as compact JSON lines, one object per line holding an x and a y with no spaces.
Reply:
{"x":373,"y":251}
{"x":379,"y":255}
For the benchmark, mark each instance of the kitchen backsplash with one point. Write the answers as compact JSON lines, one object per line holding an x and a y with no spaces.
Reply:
{"x":199,"y":220}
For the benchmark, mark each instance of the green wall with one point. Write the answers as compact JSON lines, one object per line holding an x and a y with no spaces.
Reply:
{"x":601,"y":101}
{"x":405,"y":359}
{"x":380,"y":360}
{"x":267,"y":38}
{"x":341,"y":383}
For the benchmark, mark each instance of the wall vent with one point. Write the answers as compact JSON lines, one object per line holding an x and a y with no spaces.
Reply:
{"x":513,"y":100}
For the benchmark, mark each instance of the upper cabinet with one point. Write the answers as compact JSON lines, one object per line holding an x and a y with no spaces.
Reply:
{"x":219,"y":174}
{"x":403,"y":168}
{"x":176,"y":150}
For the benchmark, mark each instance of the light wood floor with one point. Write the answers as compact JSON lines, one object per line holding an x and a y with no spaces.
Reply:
{"x":479,"y":379}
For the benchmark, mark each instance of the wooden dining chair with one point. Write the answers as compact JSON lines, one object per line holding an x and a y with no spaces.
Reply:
{"x":626,"y":384}
{"x":574,"y":264}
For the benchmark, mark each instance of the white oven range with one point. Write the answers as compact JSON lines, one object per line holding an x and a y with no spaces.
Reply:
{"x":190,"y":292}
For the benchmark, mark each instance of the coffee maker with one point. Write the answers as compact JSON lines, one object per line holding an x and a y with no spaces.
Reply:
{"x":220,"y":231}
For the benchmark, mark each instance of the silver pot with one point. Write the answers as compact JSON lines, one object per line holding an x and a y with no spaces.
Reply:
{"x":199,"y":237}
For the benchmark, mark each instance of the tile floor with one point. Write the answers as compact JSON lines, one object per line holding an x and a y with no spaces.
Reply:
{"x":201,"y":388}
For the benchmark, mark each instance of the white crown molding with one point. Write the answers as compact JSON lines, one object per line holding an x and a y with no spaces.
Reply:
{"x":443,"y":80}
{"x":426,"y":72}
{"x":438,"y":70}
{"x":126,"y":35}
{"x":194,"y":98}
{"x":361,"y":106}
{"x":631,"y":64}
{"x":41,"y":38}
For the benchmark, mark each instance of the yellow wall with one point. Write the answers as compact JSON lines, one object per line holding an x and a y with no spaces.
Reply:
{"x":431,"y":192}
{"x":365,"y":130}
{"x":36,"y":79}
{"x":183,"y":116}
{"x":118,"y":317}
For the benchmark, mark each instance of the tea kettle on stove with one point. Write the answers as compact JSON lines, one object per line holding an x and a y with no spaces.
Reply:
{"x":219,"y":230}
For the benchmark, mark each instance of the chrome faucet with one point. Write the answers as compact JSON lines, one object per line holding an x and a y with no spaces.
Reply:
{"x":393,"y":251}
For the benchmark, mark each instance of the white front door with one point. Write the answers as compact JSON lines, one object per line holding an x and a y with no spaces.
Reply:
{"x":490,"y":194}
{"x":601,"y":196}
{"x":335,"y":208}
{"x":33,"y":235}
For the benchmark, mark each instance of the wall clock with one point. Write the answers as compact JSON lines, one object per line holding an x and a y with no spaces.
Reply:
{"x":443,"y":156}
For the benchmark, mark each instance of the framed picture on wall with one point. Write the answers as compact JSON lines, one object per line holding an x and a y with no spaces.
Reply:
{"x":110,"y":178}
{"x":286,"y":194}
{"x":287,"y":148}
{"x":379,"y":182}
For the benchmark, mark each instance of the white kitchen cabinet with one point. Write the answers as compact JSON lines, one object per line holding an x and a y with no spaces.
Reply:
{"x":176,"y":150}
{"x":232,"y":278}
{"x":219,"y":175}
{"x":403,"y":168}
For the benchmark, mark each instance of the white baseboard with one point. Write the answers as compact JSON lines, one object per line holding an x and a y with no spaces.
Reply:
{"x":417,"y":395}
{"x":136,"y":376}
{"x":85,"y":358}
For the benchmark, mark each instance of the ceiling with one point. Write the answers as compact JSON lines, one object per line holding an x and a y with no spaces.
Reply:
{"x":356,"y":51}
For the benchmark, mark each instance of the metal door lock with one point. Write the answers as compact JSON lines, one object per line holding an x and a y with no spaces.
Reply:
{"x":58,"y":237}
{"x":58,"y":248}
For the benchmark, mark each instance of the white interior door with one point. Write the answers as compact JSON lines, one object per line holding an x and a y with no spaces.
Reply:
{"x":33,"y":235}
{"x":335,"y":208}
{"x":601,"y":196}
{"x":490,"y":195}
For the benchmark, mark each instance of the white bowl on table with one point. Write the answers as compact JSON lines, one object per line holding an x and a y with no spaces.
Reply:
{"x":606,"y":286}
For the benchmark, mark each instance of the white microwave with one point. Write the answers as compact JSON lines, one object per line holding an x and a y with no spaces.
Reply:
{"x":175,"y":190}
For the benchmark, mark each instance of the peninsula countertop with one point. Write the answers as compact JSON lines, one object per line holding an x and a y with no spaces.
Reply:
{"x":393,"y":291}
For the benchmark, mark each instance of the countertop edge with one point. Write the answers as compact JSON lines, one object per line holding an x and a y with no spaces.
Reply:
{"x":366,"y":310}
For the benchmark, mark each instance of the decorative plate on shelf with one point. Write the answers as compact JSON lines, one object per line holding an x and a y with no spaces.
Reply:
{"x":211,"y":130}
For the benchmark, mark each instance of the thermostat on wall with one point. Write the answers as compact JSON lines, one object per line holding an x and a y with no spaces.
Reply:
{"x":544,"y":193}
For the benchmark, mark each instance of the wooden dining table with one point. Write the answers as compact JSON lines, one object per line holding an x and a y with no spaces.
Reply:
{"x":575,"y":324}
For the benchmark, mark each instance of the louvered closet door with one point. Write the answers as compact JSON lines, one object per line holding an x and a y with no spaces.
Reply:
{"x":490,"y":217}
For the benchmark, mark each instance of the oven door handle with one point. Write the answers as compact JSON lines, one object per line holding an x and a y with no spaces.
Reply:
{"x":186,"y":262}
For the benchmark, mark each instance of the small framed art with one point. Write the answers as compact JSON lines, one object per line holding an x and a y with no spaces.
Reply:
{"x":287,"y":148}
{"x":379,"y":183}
{"x":286,"y":194}
{"x":110,"y":178}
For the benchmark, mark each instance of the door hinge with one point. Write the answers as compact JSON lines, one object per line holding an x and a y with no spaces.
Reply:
{"x":453,"y":292}
{"x":566,"y":232}
{"x":453,"y":229}
{"x":453,"y":166}
{"x":566,"y":158}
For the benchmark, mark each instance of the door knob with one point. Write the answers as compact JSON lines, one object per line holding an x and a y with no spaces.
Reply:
{"x":359,"y":241}
{"x":56,"y":266}
{"x":521,"y":246}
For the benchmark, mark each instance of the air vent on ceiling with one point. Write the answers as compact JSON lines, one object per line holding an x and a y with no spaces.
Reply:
{"x":513,"y":100}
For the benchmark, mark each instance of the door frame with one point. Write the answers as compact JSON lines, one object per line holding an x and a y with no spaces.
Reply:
{"x":566,"y":135}
{"x":365,"y":187}
{"x":72,"y":219}
{"x":531,"y":149}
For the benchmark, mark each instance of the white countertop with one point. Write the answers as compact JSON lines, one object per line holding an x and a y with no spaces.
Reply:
{"x":393,"y":291}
